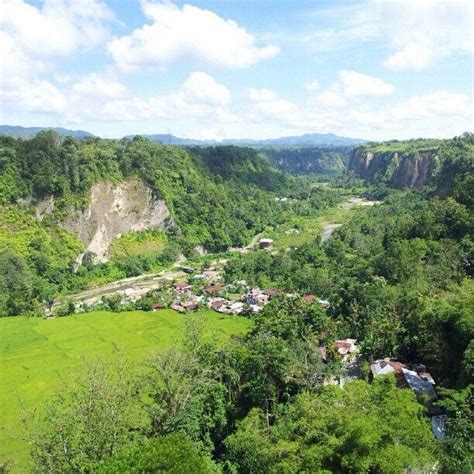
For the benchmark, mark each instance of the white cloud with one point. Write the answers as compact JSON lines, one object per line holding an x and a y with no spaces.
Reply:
{"x":355,"y":84}
{"x":423,"y":32}
{"x":33,"y":96}
{"x":266,"y":105}
{"x":439,"y":103}
{"x":33,"y":39}
{"x":58,"y":28}
{"x":411,"y":34}
{"x":187,"y":34}
{"x":201,"y":87}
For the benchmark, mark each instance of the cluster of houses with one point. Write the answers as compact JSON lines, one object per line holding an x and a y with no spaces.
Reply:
{"x":186,"y":297}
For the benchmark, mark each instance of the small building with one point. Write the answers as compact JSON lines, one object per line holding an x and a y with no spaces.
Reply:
{"x":252,"y":296}
{"x":182,"y":287}
{"x":213,"y":289}
{"x":190,"y":305}
{"x":236,"y":307}
{"x":265,"y":243}
{"x":177,"y":307}
{"x":309,"y":298}
{"x":158,"y":305}
{"x":417,"y":378}
{"x":324,"y":303}
{"x":216,"y":303}
{"x":346,"y":348}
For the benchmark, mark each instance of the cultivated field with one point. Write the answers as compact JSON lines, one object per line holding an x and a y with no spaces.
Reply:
{"x":38,"y":357}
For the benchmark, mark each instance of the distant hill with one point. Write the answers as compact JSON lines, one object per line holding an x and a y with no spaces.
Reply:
{"x":29,"y":132}
{"x":308,"y":139}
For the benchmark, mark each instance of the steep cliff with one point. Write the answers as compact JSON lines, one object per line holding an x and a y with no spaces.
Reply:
{"x":113,"y":209}
{"x":308,"y":159}
{"x":407,"y":169}
{"x":403,"y":164}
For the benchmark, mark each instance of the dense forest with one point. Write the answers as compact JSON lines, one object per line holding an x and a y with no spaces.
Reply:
{"x":398,"y":277}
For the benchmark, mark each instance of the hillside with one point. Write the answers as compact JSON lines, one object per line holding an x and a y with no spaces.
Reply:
{"x":442,"y":164}
{"x":76,"y":213}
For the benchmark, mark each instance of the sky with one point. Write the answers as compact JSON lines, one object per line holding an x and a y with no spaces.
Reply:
{"x":372,"y":69}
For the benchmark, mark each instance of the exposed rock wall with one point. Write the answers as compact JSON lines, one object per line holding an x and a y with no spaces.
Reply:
{"x":113,"y":209}
{"x":408,"y":170}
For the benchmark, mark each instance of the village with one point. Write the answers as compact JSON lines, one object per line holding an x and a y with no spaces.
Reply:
{"x":185,"y":290}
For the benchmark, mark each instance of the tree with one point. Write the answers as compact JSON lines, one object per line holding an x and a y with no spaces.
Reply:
{"x":16,"y":285}
{"x":360,"y":428}
{"x":170,"y":454}
{"x":100,"y":415}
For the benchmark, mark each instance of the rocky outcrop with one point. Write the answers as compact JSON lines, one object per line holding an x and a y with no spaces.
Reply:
{"x":113,"y":209}
{"x":407,"y":170}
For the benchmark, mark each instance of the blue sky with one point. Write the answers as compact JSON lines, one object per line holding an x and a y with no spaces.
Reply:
{"x":375,"y":69}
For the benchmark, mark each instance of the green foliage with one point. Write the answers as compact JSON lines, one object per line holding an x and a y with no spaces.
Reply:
{"x":138,"y":243}
{"x":91,"y":422}
{"x":360,"y":428}
{"x":170,"y":454}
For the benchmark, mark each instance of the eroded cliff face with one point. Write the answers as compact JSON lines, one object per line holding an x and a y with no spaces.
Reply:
{"x":113,"y":209}
{"x":408,"y":170}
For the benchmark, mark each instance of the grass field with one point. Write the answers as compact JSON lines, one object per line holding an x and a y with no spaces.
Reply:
{"x":39,"y":356}
{"x":309,"y":229}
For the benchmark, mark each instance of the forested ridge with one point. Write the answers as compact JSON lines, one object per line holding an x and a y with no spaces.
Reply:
{"x":397,"y":278}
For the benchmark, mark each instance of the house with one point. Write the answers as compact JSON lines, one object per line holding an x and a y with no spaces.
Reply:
{"x":309,"y":298}
{"x":265,"y":243}
{"x":177,"y":307}
{"x":252,"y":296}
{"x":255,"y":308}
{"x":417,"y":378}
{"x":324,"y":303}
{"x":158,"y":305}
{"x":236,"y":307}
{"x":182,"y":287}
{"x":216,"y":303}
{"x":346,"y":348}
{"x":190,"y":305}
{"x":256,"y":297}
{"x":213,"y":289}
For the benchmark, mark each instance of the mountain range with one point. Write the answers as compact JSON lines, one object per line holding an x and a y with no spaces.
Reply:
{"x":308,"y":139}
{"x":17,"y":131}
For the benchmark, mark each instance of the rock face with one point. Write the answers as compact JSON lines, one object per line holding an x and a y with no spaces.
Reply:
{"x":408,"y":170}
{"x":114,"y":209}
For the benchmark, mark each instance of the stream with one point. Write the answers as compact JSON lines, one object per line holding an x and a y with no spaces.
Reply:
{"x":329,"y":228}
